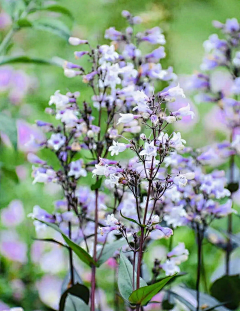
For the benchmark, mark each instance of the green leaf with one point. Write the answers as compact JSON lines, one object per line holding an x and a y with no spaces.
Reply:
{"x":9,"y":172}
{"x":168,"y":302}
{"x":227,"y":288}
{"x":24,"y":23}
{"x":28,"y":60}
{"x":9,"y":127}
{"x":97,"y":184}
{"x":53,"y":26}
{"x":206,"y":300}
{"x":79,"y":251}
{"x":75,"y":304}
{"x":130,"y":219}
{"x":67,"y":279}
{"x":77,"y":290}
{"x":233,"y":187}
{"x":56,"y":8}
{"x":182,"y":300}
{"x":110,"y":249}
{"x":125,"y":277}
{"x":51,"y":241}
{"x":174,"y":277}
{"x":144,"y":294}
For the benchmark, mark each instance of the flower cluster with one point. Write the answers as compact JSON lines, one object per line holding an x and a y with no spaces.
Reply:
{"x":202,"y":200}
{"x":155,"y":187}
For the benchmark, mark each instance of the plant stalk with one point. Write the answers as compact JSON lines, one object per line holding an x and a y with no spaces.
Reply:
{"x":93,"y":278}
{"x":229,"y":219}
{"x":6,"y":41}
{"x":200,"y":235}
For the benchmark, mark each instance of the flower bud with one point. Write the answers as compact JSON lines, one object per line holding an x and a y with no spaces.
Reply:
{"x":143,"y":136}
{"x":76,"y":41}
{"x":90,"y":133}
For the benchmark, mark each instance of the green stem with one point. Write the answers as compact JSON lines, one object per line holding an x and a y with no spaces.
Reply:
{"x":6,"y":41}
{"x":229,"y":219}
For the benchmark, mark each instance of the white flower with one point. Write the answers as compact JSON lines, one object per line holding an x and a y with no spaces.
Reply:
{"x":111,"y":75}
{"x":111,"y":220}
{"x":117,"y":147}
{"x":56,"y":141}
{"x":149,"y":149}
{"x":173,"y":194}
{"x":113,"y":133}
{"x":68,"y":117}
{"x":176,"y":216}
{"x":70,"y":73}
{"x":174,"y":91}
{"x":179,"y":254}
{"x":182,"y":179}
{"x":108,"y":54}
{"x":184,"y":111}
{"x":76,"y":41}
{"x":126,"y":118}
{"x":170,"y":267}
{"x":76,"y":169}
{"x":163,"y":138}
{"x":113,"y":180}
{"x":178,"y":250}
{"x":100,"y":170}
{"x":128,"y":72}
{"x":236,"y":144}
{"x":44,"y":177}
{"x":155,"y":219}
{"x":61,"y":101}
{"x":170,"y":119}
{"x":190,"y":175}
{"x":177,"y":142}
{"x":141,"y":99}
{"x":236,"y":60}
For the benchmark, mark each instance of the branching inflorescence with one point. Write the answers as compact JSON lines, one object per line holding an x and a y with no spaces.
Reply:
{"x":154,"y":188}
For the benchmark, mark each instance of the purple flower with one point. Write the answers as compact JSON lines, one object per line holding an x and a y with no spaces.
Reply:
{"x":56,"y":141}
{"x":32,"y":158}
{"x":80,"y":54}
{"x":224,"y":209}
{"x":13,"y":215}
{"x":236,"y":87}
{"x":89,"y":76}
{"x":76,"y":169}
{"x":12,"y":248}
{"x":156,"y":55}
{"x":199,"y":81}
{"x":26,"y":134}
{"x":49,"y":289}
{"x":5,"y":20}
{"x":76,"y":41}
{"x":154,"y":36}
{"x":113,"y":34}
{"x":231,"y":25}
{"x":71,"y":66}
{"x":165,"y":230}
{"x":41,"y":214}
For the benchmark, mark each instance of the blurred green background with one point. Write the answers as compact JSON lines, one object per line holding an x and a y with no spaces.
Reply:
{"x":186,"y":24}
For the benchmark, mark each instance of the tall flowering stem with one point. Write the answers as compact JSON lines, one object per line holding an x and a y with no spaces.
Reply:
{"x":150,"y":195}
{"x":222,"y":54}
{"x":200,"y":235}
